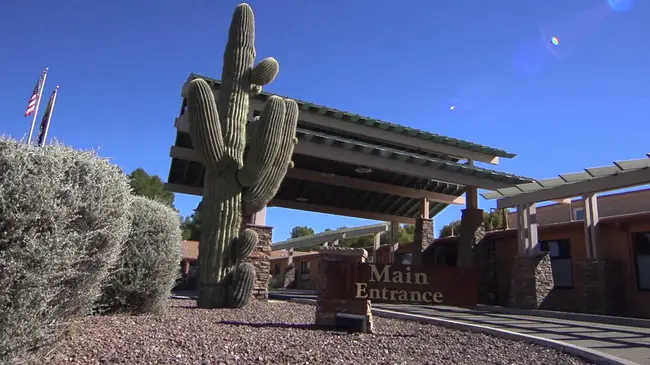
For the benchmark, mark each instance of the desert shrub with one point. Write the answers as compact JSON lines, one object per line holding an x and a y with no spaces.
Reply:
{"x":148,"y":265}
{"x":63,"y":219}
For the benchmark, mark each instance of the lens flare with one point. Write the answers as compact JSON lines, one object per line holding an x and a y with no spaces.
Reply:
{"x":555,"y":41}
{"x":620,"y":5}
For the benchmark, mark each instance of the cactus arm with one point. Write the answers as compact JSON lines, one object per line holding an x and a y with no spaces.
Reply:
{"x":205,"y":129}
{"x":258,"y":195}
{"x":265,"y":72}
{"x":265,"y":143}
{"x":246,"y":243}
{"x":241,"y":289}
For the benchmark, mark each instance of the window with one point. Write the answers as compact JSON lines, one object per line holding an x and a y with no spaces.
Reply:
{"x":193,"y":272}
{"x":304,"y":270}
{"x":579,"y":214}
{"x":276,"y":269}
{"x":405,"y":258}
{"x":641,"y":241}
{"x":560,"y":252}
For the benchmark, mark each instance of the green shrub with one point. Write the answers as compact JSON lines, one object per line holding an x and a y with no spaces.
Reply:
{"x":63,"y":219}
{"x":148,"y":266}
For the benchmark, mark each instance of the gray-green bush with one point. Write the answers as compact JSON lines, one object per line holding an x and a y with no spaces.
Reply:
{"x":148,"y":265}
{"x":64,"y":215}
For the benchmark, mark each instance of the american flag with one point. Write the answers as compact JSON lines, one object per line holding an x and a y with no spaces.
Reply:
{"x":31,"y":106}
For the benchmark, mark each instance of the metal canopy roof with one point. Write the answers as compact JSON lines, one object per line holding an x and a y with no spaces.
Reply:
{"x":399,"y":174}
{"x":376,"y":123}
{"x":621,"y":175}
{"x":400,"y":156}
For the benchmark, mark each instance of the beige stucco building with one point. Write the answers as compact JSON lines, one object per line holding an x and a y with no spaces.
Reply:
{"x":609,"y":205}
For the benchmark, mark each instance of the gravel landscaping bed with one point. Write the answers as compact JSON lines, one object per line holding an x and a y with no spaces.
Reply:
{"x":279,"y":333}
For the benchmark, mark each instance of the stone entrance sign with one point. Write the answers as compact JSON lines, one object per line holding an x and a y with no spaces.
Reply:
{"x":409,"y":284}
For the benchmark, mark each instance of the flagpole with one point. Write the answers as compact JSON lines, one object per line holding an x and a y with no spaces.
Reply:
{"x":38,"y":103}
{"x":49,"y":117}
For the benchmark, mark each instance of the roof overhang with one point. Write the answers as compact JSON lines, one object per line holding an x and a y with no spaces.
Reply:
{"x":354,"y":125}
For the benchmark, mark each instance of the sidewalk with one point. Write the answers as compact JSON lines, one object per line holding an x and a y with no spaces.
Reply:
{"x":631,"y":343}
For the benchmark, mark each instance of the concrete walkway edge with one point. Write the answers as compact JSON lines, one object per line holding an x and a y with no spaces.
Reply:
{"x":595,"y":357}
{"x":570,"y":316}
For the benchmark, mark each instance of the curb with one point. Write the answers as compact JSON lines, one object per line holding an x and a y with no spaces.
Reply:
{"x":593,"y":356}
{"x":570,"y":316}
{"x":182,"y":297}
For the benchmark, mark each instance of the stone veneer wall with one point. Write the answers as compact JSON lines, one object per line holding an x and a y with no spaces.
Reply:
{"x":289,"y":277}
{"x":532,"y":281}
{"x":261,"y":259}
{"x":326,"y":308}
{"x":599,"y":286}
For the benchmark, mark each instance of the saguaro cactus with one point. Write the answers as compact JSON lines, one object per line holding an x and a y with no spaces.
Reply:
{"x":244,"y":168}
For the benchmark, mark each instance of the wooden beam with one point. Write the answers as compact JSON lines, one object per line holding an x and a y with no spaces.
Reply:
{"x":190,"y":190}
{"x":598,"y":184}
{"x":184,"y":189}
{"x":471,"y":196}
{"x":348,"y":182}
{"x":424,"y":208}
{"x":338,"y":211}
{"x":591,"y":226}
{"x":360,"y":184}
{"x":322,"y":121}
{"x":359,"y":158}
{"x":394,"y":241}
{"x":376,"y":242}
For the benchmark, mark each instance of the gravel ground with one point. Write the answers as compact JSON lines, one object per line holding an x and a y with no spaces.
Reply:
{"x":279,"y":333}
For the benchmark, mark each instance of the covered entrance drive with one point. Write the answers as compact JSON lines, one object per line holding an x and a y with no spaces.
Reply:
{"x":350,"y":165}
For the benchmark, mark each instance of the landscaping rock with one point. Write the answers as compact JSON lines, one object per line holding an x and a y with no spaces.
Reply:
{"x":280,"y":333}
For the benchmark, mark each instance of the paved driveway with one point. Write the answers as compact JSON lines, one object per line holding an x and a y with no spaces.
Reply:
{"x":628,"y":342}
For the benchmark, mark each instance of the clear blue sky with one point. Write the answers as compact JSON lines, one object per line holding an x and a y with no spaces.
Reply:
{"x":120,"y":66}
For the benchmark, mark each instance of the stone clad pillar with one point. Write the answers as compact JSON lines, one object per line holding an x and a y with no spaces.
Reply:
{"x":471,"y":233}
{"x":327,"y":308}
{"x":261,"y":259}
{"x":422,"y":238}
{"x":531,"y":280}
{"x":532,"y":274}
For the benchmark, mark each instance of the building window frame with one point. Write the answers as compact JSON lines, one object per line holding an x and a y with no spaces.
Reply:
{"x":277,"y":268}
{"x":641,"y":259}
{"x":561,"y":261}
{"x":579,"y":214}
{"x":304,"y":270}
